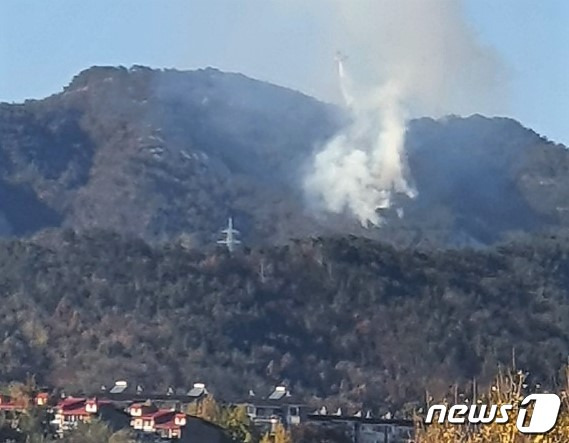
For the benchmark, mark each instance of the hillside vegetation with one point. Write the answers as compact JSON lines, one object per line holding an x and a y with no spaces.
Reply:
{"x":164,"y":154}
{"x":341,"y":318}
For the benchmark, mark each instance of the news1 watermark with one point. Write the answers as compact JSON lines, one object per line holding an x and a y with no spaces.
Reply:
{"x":544,"y":413}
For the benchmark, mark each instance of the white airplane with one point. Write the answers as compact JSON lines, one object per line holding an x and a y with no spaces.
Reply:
{"x":230,"y":239}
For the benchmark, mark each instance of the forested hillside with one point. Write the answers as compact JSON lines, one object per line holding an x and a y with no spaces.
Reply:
{"x":340,"y":318}
{"x":164,"y":154}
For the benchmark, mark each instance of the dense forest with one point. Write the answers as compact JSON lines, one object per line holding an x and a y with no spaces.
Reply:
{"x":345,"y":319}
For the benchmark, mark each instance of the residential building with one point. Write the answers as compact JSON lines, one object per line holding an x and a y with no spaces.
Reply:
{"x":71,"y":411}
{"x":8,"y":404}
{"x":366,"y":429}
{"x":41,"y":399}
{"x":278,"y":407}
{"x":147,"y":417}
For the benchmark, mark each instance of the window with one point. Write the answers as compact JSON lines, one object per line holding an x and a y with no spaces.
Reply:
{"x":293,"y":411}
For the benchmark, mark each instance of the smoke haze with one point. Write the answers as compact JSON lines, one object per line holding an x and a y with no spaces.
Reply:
{"x":406,"y":58}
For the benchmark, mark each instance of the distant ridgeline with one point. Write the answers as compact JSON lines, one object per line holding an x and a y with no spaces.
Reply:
{"x":344,"y":319}
{"x":163,"y":154}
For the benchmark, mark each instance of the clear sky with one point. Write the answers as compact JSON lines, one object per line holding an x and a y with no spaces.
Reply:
{"x":44,"y":43}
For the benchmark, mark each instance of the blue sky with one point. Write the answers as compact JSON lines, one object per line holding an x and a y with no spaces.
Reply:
{"x":44,"y":43}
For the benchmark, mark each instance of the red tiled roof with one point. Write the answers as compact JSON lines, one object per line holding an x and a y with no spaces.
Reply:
{"x":7,"y":403}
{"x":8,"y":406}
{"x":72,"y":400}
{"x":168,"y":420}
{"x":76,"y":406}
{"x":167,"y":425}
{"x":77,"y":411}
{"x":160,"y":414}
{"x":71,"y":403}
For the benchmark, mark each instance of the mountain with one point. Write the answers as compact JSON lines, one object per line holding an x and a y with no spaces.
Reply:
{"x":158,"y":153}
{"x":122,"y":181}
{"x":348,"y":320}
{"x":165,"y":154}
{"x":483,"y":179}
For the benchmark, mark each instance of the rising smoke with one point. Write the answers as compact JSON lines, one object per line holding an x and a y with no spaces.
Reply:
{"x":407,"y":58}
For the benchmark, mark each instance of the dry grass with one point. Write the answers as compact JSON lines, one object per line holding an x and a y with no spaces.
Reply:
{"x":509,"y":388}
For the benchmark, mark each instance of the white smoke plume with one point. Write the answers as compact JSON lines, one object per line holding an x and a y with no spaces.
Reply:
{"x":406,"y":58}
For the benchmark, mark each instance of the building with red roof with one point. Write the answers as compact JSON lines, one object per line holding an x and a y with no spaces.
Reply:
{"x":41,"y":399}
{"x":8,"y":404}
{"x":71,"y":410}
{"x":147,"y":417}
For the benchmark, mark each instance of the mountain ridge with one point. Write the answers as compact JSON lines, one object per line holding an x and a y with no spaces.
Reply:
{"x":164,"y":154}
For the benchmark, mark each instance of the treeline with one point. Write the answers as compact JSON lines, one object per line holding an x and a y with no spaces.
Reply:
{"x":344,"y":319}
